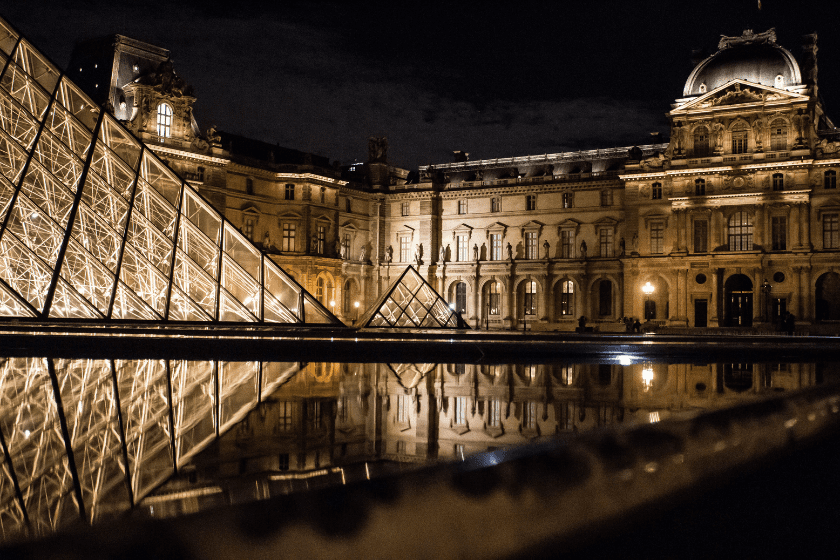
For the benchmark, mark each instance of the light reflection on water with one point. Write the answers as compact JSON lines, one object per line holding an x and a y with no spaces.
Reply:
{"x":91,"y":439}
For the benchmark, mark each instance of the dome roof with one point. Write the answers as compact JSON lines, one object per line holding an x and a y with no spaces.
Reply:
{"x":754,"y":58}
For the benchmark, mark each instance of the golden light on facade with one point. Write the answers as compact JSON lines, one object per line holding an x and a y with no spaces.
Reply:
{"x":647,"y":377}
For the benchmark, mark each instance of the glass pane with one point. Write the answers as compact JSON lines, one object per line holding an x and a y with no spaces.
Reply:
{"x":105,"y":202}
{"x":12,"y":157}
{"x":11,"y":307}
{"x":68,"y":305}
{"x":194,"y":282}
{"x":92,"y":280}
{"x":200,"y":249}
{"x":69,"y":130}
{"x":242,"y":251}
{"x":313,"y":312}
{"x":97,"y":238}
{"x":202,"y":215}
{"x":16,"y":121}
{"x":232,"y":310}
{"x":276,"y":373}
{"x":193,"y":406}
{"x":182,"y":308}
{"x":79,"y":104}
{"x":281,"y":286}
{"x":26,"y":91}
{"x":150,"y":242}
{"x":8,"y":38}
{"x":155,"y":209}
{"x":112,"y":170}
{"x":275,"y":312}
{"x":144,"y":279}
{"x":128,"y":306}
{"x":241,"y":286}
{"x":23,"y":272}
{"x":120,"y":141}
{"x":35,"y":229}
{"x":238,"y":390}
{"x":58,"y":160}
{"x":6,"y":193}
{"x":162,"y":179}
{"x":52,"y":197}
{"x":37,"y":66}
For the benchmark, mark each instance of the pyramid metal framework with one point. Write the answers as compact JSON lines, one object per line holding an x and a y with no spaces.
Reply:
{"x":411,"y":302}
{"x":85,"y":440}
{"x":94,"y":226}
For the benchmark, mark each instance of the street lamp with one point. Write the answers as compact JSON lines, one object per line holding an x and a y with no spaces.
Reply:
{"x":648,"y":289}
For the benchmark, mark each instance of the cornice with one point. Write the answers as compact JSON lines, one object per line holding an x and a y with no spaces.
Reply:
{"x":187,"y":155}
{"x":716,"y":200}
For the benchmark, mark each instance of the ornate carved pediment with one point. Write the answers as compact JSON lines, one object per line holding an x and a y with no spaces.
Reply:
{"x":737,"y":92}
{"x":748,"y":37}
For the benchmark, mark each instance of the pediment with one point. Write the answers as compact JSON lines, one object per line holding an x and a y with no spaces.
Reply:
{"x":569,"y":223}
{"x":739,"y":92}
{"x":322,"y":219}
{"x":496,"y":227}
{"x":290,"y":216}
{"x":463,"y":228}
{"x":533,"y":224}
{"x":606,"y":221}
{"x":349,"y":226}
{"x":250,"y":209}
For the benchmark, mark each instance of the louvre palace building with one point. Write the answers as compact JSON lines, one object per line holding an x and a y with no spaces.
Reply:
{"x":734,"y":222}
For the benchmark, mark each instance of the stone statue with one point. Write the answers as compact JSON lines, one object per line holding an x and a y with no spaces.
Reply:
{"x":442,"y":255}
{"x":509,"y":252}
{"x":340,"y":249}
{"x":475,"y":252}
{"x":634,"y":243}
{"x":377,"y":149}
{"x":826,"y":146}
{"x":546,"y":247}
{"x":266,"y":240}
{"x":758,"y":127}
{"x":583,"y":250}
{"x":363,"y":254}
{"x":717,"y":136}
{"x":621,"y":247}
{"x":389,"y":254}
{"x":418,"y":254}
{"x":213,"y":135}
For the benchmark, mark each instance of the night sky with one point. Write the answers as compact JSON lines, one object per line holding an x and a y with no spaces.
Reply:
{"x":434,"y":77}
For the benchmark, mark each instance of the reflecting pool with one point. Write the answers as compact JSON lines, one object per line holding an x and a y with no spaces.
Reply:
{"x":91,"y":439}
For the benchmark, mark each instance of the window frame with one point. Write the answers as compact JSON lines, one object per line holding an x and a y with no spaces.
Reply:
{"x":289,"y":235}
{"x":700,"y":187}
{"x":740,"y":235}
{"x":462,"y":206}
{"x":655,"y":191}
{"x":289,"y":191}
{"x":830,"y":179}
{"x":530,"y":202}
{"x":164,"y":120}
{"x":831,"y":230}
{"x":567,"y":298}
{"x":532,"y":245}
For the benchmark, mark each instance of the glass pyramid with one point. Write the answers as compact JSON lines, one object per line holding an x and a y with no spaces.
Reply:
{"x":94,"y":226}
{"x":411,"y":302}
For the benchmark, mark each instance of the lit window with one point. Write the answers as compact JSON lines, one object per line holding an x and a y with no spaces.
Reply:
{"x":567,"y":298}
{"x":347,"y":244}
{"x":319,"y":290}
{"x":288,"y":237}
{"x":248,"y":228}
{"x":740,"y":232}
{"x":531,"y":245}
{"x":531,"y":202}
{"x":494,"y":298}
{"x":778,"y":182}
{"x":831,"y":231}
{"x":494,"y":413}
{"x":462,"y":206}
{"x":496,"y":204}
{"x":657,"y":236}
{"x":830,"y":179}
{"x":655,"y":191}
{"x":567,"y":244}
{"x":164,"y":121}
{"x":405,"y":248}
{"x":463,"y":250}
{"x":530,"y":298}
{"x":290,"y":191}
{"x":460,"y":411}
{"x":605,"y":238}
{"x":778,"y":135}
{"x":568,"y":200}
{"x":404,"y":208}
{"x":495,"y":246}
{"x":699,"y":187}
{"x":739,"y":138}
{"x":779,"y":231}
{"x":567,"y":375}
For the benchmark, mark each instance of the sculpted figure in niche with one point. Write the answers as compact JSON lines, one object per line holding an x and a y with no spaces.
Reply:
{"x":442,"y":254}
{"x":546,"y":247}
{"x":634,"y":243}
{"x":509,"y":252}
{"x":758,"y":128}
{"x":418,"y":254}
{"x":475,"y":252}
{"x":363,"y":254}
{"x":389,"y":254}
{"x":717,"y":135}
{"x":621,"y":247}
{"x":583,"y":250}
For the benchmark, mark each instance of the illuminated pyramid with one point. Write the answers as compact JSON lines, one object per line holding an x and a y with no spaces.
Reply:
{"x":94,"y":226}
{"x":411,"y":302}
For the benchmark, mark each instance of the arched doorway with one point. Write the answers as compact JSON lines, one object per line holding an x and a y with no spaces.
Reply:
{"x":828,"y":297}
{"x":738,"y":301}
{"x":458,"y":297}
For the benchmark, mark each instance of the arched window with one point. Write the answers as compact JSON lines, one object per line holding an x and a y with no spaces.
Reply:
{"x":740,"y":232}
{"x":700,"y":187}
{"x":605,"y":295}
{"x":740,"y":135}
{"x":701,"y":141}
{"x":164,"y":121}
{"x":461,"y":297}
{"x":567,"y":298}
{"x":494,"y":298}
{"x":778,"y":135}
{"x":830,"y":179}
{"x":778,"y":182}
{"x":319,"y":290}
{"x":530,"y":298}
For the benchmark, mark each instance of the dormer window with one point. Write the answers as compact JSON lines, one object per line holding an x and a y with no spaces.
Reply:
{"x":164,"y":121}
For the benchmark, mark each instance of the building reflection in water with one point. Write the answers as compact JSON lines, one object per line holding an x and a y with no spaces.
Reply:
{"x":91,"y":439}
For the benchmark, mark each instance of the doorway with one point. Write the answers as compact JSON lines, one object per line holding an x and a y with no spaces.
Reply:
{"x":738,"y":296}
{"x":701,"y":312}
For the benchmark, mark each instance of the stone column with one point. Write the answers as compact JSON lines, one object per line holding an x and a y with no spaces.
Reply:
{"x":797,"y":292}
{"x":475,"y":317}
{"x":507,"y":313}
{"x":768,"y":232}
{"x":805,"y":313}
{"x":797,"y":228}
{"x":805,"y":219}
{"x":682,"y":302}
{"x":681,"y":216}
{"x":544,"y":314}
{"x":759,"y":305}
{"x":717,"y":228}
{"x":583,"y":306}
{"x":714,"y":320}
{"x":619,"y":296}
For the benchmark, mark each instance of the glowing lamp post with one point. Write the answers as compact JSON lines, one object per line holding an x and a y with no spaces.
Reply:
{"x":648,"y":290}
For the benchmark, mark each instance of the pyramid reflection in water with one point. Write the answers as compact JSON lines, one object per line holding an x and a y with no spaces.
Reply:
{"x":411,"y":302}
{"x":94,"y":226}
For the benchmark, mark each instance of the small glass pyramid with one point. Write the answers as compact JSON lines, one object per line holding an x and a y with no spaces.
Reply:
{"x":94,"y":226}
{"x":411,"y":302}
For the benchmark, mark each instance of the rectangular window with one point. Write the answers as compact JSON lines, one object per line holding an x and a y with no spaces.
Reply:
{"x":529,"y":302}
{"x":348,"y":205}
{"x":285,"y":415}
{"x":288,"y":237}
{"x":656,"y":191}
{"x":657,"y":238}
{"x":199,"y":174}
{"x":494,"y":299}
{"x":495,"y":246}
{"x":248,"y":228}
{"x":404,"y":208}
{"x":701,"y":236}
{"x":531,"y":202}
{"x":830,"y":179}
{"x":462,"y":206}
{"x":531,"y":245}
{"x":606,"y":242}
{"x":290,"y":191}
{"x":831,"y":231}
{"x":779,"y":227}
{"x":313,"y":415}
{"x":405,"y":248}
{"x":323,"y":195}
{"x":494,"y":413}
{"x":346,"y":246}
{"x":606,"y":198}
{"x":778,"y":182}
{"x":322,"y":240}
{"x":403,"y":404}
{"x":529,"y":415}
{"x":460,"y":410}
{"x":739,"y":142}
{"x":463,"y":249}
{"x":567,"y":200}
{"x":496,"y":204}
{"x":567,"y":244}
